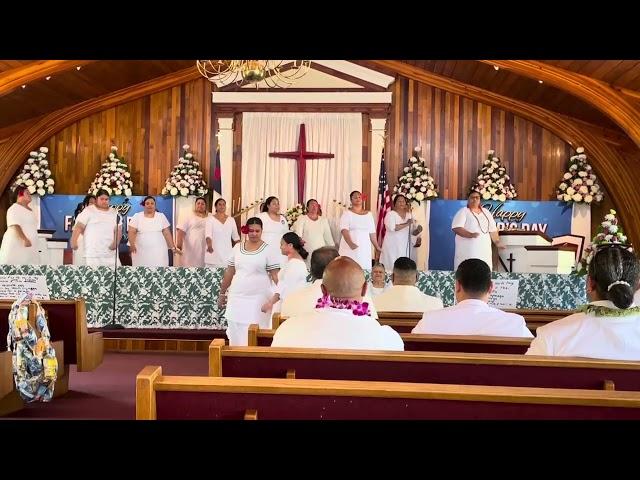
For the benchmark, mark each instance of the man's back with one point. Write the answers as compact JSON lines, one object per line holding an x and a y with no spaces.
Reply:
{"x":406,"y":298}
{"x":472,"y":317}
{"x":334,"y":328}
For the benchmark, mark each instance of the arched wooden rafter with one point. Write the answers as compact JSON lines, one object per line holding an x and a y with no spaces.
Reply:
{"x":16,"y":77}
{"x":617,"y":176}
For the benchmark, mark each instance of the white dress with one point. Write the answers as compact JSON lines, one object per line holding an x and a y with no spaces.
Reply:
{"x":373,"y":291}
{"x":221,"y":235}
{"x":396,"y":244}
{"x":360,"y":227}
{"x":194,"y":245}
{"x":151,"y":246}
{"x":272,"y":233}
{"x":291,"y":277}
{"x":249,"y":290}
{"x":479,"y":247}
{"x":315,"y":233}
{"x":13,"y":251}
{"x":99,"y":234}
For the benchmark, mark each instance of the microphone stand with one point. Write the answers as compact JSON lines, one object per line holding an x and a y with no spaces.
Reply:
{"x":113,"y":325}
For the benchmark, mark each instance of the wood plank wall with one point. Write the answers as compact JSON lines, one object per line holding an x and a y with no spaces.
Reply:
{"x":455,"y":134}
{"x":149,"y":133}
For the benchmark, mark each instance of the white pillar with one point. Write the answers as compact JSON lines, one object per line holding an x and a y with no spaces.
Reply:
{"x":225,"y":140}
{"x":378,"y":126}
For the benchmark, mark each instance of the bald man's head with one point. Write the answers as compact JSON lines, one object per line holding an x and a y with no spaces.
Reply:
{"x":344,"y":278}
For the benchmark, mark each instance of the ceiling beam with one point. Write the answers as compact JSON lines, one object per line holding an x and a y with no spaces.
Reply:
{"x":16,"y":77}
{"x":602,"y":96}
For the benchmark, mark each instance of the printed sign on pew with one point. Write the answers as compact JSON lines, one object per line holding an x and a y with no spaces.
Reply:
{"x":12,"y":286}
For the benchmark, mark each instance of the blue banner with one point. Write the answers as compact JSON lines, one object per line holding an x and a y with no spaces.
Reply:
{"x":56,"y":212}
{"x":552,"y":218}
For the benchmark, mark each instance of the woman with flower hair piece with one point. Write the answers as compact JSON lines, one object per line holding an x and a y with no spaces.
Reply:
{"x":246,"y":285}
{"x":19,"y":243}
{"x":274,"y":226}
{"x":609,"y":326}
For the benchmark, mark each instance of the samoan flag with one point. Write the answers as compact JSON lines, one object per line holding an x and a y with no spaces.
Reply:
{"x":216,"y":176}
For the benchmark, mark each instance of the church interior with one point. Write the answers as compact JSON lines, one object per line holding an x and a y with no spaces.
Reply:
{"x":550,"y":150}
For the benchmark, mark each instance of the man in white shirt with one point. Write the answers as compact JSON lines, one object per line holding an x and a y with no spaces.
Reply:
{"x":341,"y":319}
{"x":404,"y":296}
{"x":102,"y":232}
{"x":304,"y":300}
{"x":471,"y":315}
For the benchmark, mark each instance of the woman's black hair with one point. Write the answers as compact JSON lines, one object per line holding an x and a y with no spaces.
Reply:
{"x":219,"y":200}
{"x":400,"y":196}
{"x":254,"y":221}
{"x":294,"y":239}
{"x":265,"y":205}
{"x":613,"y":263}
{"x":83,"y":205}
{"x":147,"y":198}
{"x":314,"y":200}
{"x":355,"y":191}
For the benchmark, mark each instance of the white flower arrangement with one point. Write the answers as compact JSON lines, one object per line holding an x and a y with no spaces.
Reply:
{"x":114,"y":176}
{"x":579,"y":184}
{"x":492,"y":181}
{"x":186,"y":178}
{"x":416,"y":183}
{"x":608,"y":232}
{"x":36,"y":175}
{"x":294,"y":212}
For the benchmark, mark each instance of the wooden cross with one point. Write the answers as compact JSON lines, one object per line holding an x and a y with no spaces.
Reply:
{"x":301,"y":156}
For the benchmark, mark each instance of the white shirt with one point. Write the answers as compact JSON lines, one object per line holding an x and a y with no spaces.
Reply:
{"x":373,"y":291}
{"x":99,"y":231}
{"x":473,"y":317}
{"x":304,"y":301}
{"x":479,"y":247}
{"x":335,"y":328}
{"x":315,"y":233}
{"x":221,"y":235}
{"x":406,"y":298}
{"x":194,"y":245}
{"x":585,"y":335}
{"x":12,"y":250}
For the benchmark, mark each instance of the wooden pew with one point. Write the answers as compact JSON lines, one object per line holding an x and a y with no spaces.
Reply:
{"x":227,"y":398}
{"x":404,"y":322}
{"x":433,"y":343}
{"x":422,"y":367}
{"x":67,"y":320}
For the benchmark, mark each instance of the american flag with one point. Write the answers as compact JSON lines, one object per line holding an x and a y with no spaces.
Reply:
{"x":384,"y":201}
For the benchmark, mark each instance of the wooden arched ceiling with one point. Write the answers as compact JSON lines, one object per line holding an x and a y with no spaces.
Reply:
{"x":69,"y":86}
{"x":617,"y":174}
{"x":608,"y":100}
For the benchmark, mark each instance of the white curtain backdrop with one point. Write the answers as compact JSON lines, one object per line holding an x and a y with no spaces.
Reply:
{"x":326,"y":179}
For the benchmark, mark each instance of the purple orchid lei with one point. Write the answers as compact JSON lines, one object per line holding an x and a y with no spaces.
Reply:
{"x":356,"y":307}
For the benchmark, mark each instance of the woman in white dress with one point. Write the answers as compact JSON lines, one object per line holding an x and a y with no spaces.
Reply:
{"x":78,"y":255}
{"x":246,"y":284}
{"x":378,"y":283}
{"x":19,"y":243}
{"x":313,"y":228}
{"x":358,"y":229}
{"x":475,"y":229}
{"x":221,"y":234}
{"x":291,"y":277}
{"x":191,"y":236}
{"x":274,"y":226}
{"x":399,"y":237}
{"x":150,"y":237}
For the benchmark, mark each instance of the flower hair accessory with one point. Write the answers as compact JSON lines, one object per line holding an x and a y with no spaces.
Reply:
{"x":244,"y":229}
{"x":356,"y":307}
{"x":619,"y":282}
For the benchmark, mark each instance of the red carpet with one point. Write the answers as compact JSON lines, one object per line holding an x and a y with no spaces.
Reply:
{"x":109,"y":392}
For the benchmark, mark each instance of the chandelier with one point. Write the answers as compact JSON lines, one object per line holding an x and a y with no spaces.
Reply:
{"x":275,"y":73}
